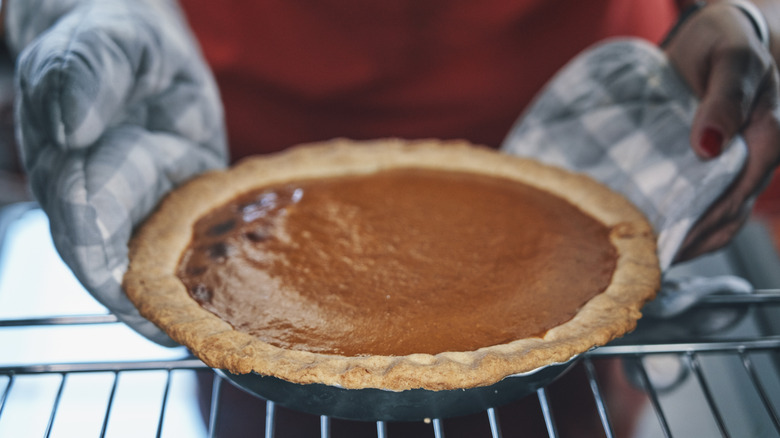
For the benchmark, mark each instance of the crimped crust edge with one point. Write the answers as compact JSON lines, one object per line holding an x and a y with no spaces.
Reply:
{"x":151,"y":284}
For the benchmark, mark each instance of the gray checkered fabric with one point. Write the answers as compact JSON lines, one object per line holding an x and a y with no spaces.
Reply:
{"x":115,"y":107}
{"x":619,"y":113}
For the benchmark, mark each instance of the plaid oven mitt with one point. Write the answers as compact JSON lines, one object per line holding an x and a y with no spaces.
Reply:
{"x":619,"y":113}
{"x":115,"y":106}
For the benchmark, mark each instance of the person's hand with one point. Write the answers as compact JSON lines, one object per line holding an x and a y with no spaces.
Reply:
{"x":719,"y":54}
{"x":115,"y":107}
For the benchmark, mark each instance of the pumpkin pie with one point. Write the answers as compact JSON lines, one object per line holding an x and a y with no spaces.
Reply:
{"x":392,"y":264}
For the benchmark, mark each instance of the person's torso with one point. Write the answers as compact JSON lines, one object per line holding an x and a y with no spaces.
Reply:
{"x":297,"y":71}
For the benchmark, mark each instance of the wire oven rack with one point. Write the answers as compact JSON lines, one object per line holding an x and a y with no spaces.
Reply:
{"x":712,"y":371}
{"x":639,"y":361}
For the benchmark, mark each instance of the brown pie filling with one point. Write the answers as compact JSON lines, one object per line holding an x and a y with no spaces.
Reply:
{"x":397,"y":262}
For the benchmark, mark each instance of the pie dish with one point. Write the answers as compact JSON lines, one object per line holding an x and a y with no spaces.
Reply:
{"x":166,"y":285}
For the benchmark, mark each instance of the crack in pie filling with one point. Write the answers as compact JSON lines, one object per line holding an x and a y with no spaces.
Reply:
{"x":392,"y":264}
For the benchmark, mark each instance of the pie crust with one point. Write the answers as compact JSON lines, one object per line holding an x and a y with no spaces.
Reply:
{"x":155,"y":251}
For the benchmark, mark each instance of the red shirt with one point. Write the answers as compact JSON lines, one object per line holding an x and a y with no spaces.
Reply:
{"x":294,"y":71}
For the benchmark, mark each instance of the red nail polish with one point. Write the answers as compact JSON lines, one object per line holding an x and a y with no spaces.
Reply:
{"x":711,"y":142}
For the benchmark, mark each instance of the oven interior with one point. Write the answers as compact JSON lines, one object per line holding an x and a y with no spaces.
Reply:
{"x":69,"y":369}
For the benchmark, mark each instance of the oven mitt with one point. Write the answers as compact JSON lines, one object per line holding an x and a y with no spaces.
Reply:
{"x":620,"y":113}
{"x":115,"y":107}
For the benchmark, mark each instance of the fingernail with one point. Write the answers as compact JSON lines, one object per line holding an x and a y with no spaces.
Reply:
{"x":711,"y":142}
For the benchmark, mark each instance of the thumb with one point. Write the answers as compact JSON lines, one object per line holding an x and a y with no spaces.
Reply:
{"x":70,"y":85}
{"x":736,"y":79}
{"x":96,"y":68}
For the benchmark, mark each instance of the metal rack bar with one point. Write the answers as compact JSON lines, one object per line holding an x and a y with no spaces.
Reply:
{"x":695,"y":366}
{"x":166,"y":391}
{"x":110,"y":404}
{"x":55,"y":407}
{"x":381,"y":429}
{"x":636,"y":361}
{"x":495,"y":429}
{"x":438,"y":428}
{"x":216,"y":389}
{"x":747,"y":363}
{"x":324,"y":426}
{"x":4,"y":395}
{"x":90,"y":367}
{"x":765,"y":343}
{"x":590,"y":370}
{"x":760,"y":296}
{"x":270,"y":418}
{"x":60,"y":320}
{"x":549,"y":421}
